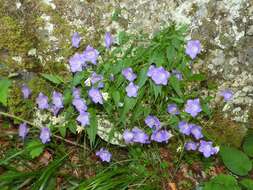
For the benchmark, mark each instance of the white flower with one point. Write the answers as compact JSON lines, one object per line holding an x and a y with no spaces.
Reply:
{"x":87,"y":82}
{"x":79,"y":129}
{"x":105,"y":95}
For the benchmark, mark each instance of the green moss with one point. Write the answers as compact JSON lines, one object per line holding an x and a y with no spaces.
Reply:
{"x":225,"y":131}
{"x":25,"y":108}
{"x":12,"y":37}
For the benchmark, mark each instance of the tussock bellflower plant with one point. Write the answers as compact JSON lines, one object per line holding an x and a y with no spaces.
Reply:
{"x":125,"y":92}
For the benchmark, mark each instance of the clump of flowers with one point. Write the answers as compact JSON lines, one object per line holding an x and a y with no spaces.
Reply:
{"x":140,"y":89}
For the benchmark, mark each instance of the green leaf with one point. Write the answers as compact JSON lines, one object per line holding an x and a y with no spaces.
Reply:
{"x":248,"y":145}
{"x":35,"y":148}
{"x":122,"y":37}
{"x":78,"y":77}
{"x":170,"y":53}
{"x":72,"y":126}
{"x":247,"y":184}
{"x":92,"y":128}
{"x":177,"y":100}
{"x":235,"y":160}
{"x":53,"y":78}
{"x":11,"y":176}
{"x":67,"y":96}
{"x":62,"y":130}
{"x":116,"y":97}
{"x":222,"y":182}
{"x":47,"y":174}
{"x":4,"y":88}
{"x":197,"y":77}
{"x":142,"y":77}
{"x":157,"y":57}
{"x":176,"y":85}
{"x":206,"y":109}
{"x":129,"y":104}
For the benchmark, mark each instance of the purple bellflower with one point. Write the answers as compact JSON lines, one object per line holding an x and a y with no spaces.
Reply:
{"x":76,"y":39}
{"x":193,"y":48}
{"x":140,"y":136}
{"x":23,"y":130}
{"x":193,"y":107}
{"x":104,"y":155}
{"x":84,"y":119}
{"x":128,"y":136}
{"x":76,"y":92}
{"x":159,"y":75}
{"x":196,"y":131}
{"x":108,"y":40}
{"x":207,"y":149}
{"x":79,"y":104}
{"x":132,"y":90}
{"x":129,"y":74}
{"x":57,"y":99}
{"x":77,"y":62}
{"x":184,"y":128}
{"x":161,"y":136}
{"x":153,"y":122}
{"x":191,"y":145}
{"x":227,"y":95}
{"x":26,"y":91}
{"x":42,"y":101}
{"x":96,"y":95}
{"x":54,"y":109}
{"x":45,"y":135}
{"x":91,"y":55}
{"x":94,"y":78}
{"x":173,"y":109}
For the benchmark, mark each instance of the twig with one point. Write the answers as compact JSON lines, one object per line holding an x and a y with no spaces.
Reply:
{"x":32,"y":124}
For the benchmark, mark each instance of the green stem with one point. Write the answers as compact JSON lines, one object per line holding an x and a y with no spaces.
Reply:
{"x":32,"y":124}
{"x":17,"y":118}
